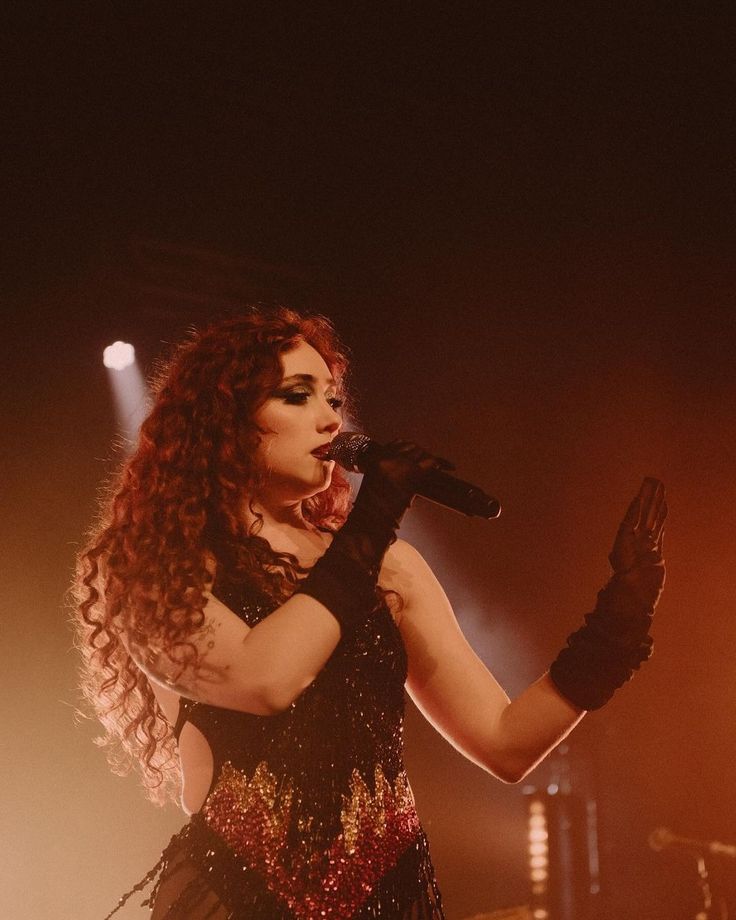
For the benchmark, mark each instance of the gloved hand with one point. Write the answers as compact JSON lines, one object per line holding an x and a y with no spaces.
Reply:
{"x":636,"y":557}
{"x":345,"y":578}
{"x":614,"y":642}
{"x":388,"y":488}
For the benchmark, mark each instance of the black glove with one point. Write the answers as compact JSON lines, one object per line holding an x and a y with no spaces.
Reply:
{"x":345,"y":578}
{"x":614,"y":642}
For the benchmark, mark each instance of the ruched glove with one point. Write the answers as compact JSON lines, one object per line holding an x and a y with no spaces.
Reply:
{"x":614,"y":642}
{"x":345,"y":578}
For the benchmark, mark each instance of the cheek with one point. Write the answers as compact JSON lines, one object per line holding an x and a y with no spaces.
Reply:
{"x":276,"y":443}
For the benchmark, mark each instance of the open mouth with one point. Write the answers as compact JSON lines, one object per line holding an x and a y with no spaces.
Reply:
{"x":322,"y":453}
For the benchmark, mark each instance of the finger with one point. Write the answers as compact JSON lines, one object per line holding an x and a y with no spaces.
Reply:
{"x":652,"y":492}
{"x":430,"y":463}
{"x":400,"y":446}
{"x":661,"y":517}
{"x":423,"y":458}
{"x":416,"y":455}
{"x":647,"y":493}
{"x":631,"y":518}
{"x":659,"y":504}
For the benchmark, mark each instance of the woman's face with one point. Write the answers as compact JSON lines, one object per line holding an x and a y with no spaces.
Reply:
{"x":299,"y":417}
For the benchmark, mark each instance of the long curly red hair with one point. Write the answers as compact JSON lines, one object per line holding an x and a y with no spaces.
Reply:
{"x":174,"y":507}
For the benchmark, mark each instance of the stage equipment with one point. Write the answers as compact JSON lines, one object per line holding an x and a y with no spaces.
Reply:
{"x":129,"y":390}
{"x":713,"y":908}
{"x":509,"y":913}
{"x":662,"y":837}
{"x":562,"y":823}
{"x":118,"y":356}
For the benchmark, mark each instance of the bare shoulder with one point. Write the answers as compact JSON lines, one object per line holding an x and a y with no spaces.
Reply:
{"x":405,"y":553}
{"x":401,"y":564}
{"x":406,"y":572}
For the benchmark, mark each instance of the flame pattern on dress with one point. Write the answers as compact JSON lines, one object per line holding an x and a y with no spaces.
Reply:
{"x":252,"y":816}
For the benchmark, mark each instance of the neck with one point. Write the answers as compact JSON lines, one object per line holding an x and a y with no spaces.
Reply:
{"x":275,"y":514}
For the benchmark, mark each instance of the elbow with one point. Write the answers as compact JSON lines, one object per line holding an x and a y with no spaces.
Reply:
{"x":271,"y":691}
{"x":511,"y":775}
{"x":271,"y":707}
{"x":511,"y":769}
{"x":272,"y":701}
{"x":262,"y":699}
{"x":275,"y":698}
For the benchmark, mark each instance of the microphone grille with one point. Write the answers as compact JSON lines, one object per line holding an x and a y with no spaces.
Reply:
{"x":347,"y":448}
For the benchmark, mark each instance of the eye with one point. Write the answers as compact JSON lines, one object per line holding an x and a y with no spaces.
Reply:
{"x":301,"y":397}
{"x":295,"y":397}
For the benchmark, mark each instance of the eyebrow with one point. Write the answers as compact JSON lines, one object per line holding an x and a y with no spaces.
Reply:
{"x":307,"y":378}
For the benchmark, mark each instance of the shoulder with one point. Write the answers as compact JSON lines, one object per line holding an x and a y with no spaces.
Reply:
{"x":401,"y":551}
{"x":406,"y":572}
{"x":401,"y":561}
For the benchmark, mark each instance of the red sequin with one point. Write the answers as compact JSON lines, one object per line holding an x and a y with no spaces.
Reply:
{"x":253,"y":815}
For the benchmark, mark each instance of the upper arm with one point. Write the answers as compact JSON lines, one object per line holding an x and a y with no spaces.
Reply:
{"x":261,"y":670}
{"x":446,"y":679}
{"x":201,"y":667}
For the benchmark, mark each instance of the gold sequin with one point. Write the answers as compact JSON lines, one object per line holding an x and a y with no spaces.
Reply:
{"x":252,"y":816}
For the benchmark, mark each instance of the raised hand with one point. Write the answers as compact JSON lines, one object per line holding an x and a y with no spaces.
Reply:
{"x":614,"y":642}
{"x":636,"y":556}
{"x":639,"y":538}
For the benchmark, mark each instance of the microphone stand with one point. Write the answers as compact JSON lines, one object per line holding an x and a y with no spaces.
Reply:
{"x":704,"y":885}
{"x":707,"y":894}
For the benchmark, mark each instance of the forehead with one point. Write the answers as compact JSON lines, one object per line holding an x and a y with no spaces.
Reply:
{"x":303,"y":359}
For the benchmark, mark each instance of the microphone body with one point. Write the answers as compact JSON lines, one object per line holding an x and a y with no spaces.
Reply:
{"x":356,"y":452}
{"x":662,"y":837}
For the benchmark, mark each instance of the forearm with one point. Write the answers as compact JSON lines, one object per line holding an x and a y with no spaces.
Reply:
{"x":286,"y":651}
{"x":464,"y":702}
{"x":529,"y":727}
{"x":460,"y":697}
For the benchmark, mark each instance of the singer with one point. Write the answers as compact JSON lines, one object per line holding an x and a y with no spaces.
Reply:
{"x":247,"y":638}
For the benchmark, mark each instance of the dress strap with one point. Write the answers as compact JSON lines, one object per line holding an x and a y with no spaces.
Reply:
{"x":185,"y":709}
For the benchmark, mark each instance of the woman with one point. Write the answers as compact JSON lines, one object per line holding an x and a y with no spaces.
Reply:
{"x":247,"y":641}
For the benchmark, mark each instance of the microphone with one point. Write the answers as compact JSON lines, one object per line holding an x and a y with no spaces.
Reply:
{"x":662,"y":837}
{"x":355,"y":452}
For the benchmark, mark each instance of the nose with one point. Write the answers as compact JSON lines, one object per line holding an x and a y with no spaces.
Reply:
{"x":330,"y":419}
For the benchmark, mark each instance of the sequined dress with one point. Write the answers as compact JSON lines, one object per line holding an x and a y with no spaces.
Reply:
{"x":310,"y":813}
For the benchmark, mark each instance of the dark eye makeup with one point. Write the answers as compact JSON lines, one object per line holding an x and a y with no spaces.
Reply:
{"x":300,"y":397}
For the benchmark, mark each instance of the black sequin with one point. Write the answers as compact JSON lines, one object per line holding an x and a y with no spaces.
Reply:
{"x":310,"y":814}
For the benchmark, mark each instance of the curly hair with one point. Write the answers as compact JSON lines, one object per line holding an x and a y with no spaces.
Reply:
{"x":173,"y":507}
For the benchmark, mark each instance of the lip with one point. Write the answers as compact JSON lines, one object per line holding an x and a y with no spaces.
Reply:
{"x":322,"y":451}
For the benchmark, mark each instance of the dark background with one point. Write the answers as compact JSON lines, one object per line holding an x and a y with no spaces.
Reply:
{"x":521,"y":218}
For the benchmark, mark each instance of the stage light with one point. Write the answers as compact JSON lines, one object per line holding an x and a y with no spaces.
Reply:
{"x":538,"y":849}
{"x":118,"y":356}
{"x":129,"y":390}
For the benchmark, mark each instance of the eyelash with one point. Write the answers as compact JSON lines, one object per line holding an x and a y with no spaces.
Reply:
{"x":299,"y":398}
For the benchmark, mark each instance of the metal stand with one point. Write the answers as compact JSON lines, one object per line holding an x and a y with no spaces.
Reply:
{"x":710,"y":910}
{"x":704,"y":884}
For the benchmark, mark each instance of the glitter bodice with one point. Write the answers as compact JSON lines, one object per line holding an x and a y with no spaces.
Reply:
{"x":350,"y":718}
{"x":314,"y":801}
{"x":310,"y":813}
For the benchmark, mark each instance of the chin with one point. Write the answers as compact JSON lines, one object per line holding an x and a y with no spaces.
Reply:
{"x":298,"y":490}
{"x":323,"y":485}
